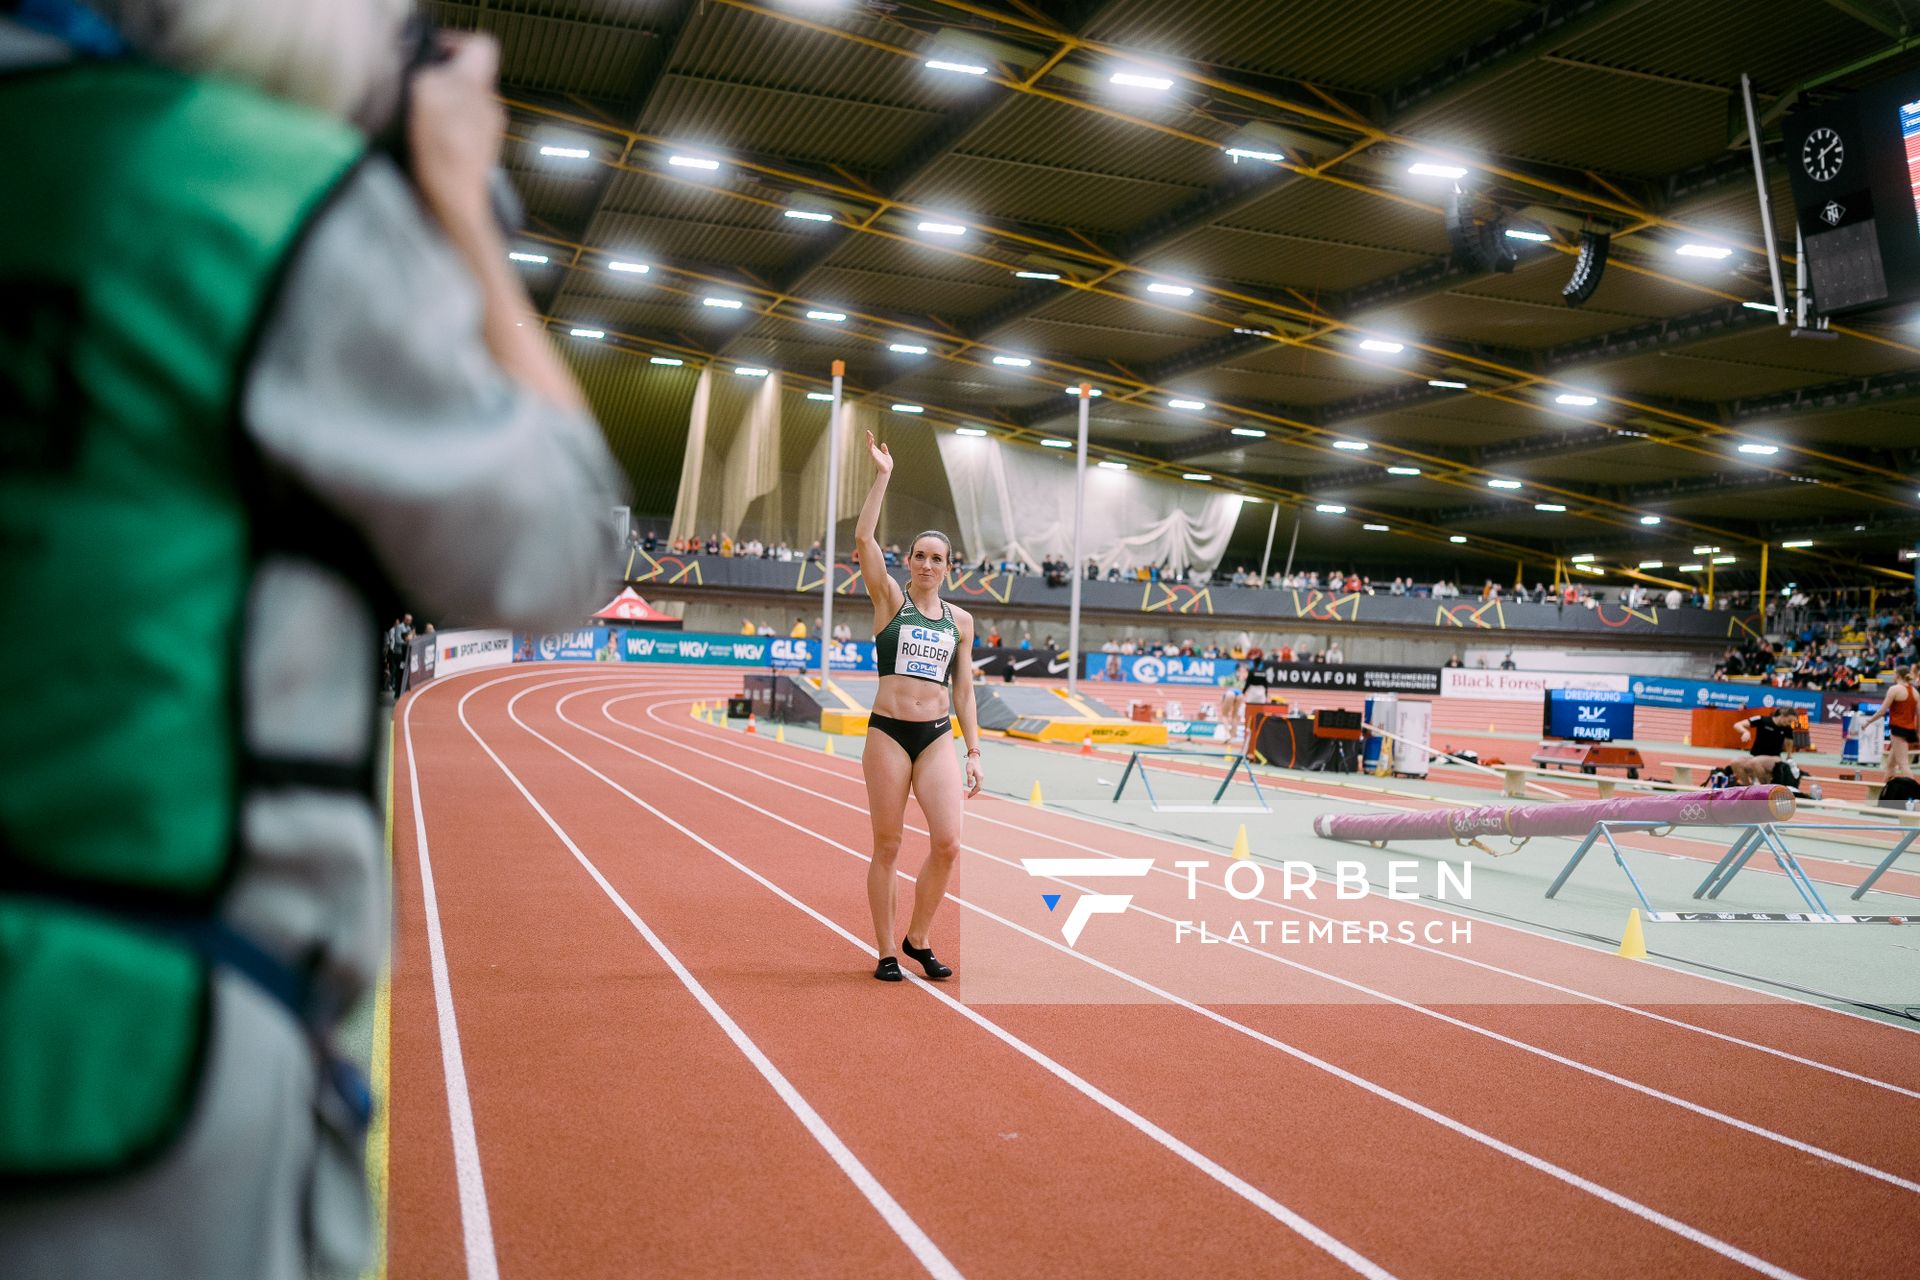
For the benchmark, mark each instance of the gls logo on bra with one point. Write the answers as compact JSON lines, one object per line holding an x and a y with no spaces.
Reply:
{"x":1087,"y":905}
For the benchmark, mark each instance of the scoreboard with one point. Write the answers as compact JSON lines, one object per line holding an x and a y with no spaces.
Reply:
{"x":1855,"y":170}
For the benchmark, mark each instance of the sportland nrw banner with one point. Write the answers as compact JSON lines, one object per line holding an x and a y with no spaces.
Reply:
{"x":1519,"y":686}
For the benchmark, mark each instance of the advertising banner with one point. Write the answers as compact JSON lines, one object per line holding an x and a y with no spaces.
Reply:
{"x":611,"y":644}
{"x":1588,"y":715}
{"x":1519,"y":686}
{"x":1142,"y":668}
{"x":1669,"y":691}
{"x":994,"y":664}
{"x":470,"y":650}
{"x":1347,"y":675}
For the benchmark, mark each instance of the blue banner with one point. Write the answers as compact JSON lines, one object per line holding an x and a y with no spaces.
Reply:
{"x":1588,"y":715}
{"x":1141,"y":668}
{"x":610,"y":644}
{"x":1669,"y":691}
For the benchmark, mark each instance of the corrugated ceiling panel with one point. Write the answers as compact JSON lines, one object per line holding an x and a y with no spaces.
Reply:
{"x":720,"y":246}
{"x":1277,"y":260}
{"x":1777,"y":42}
{"x":748,"y":48}
{"x":1341,"y":215}
{"x":1039,"y":131}
{"x":1043,"y":194}
{"x":887,"y":293}
{"x":1371,"y":45}
{"x":546,"y":48}
{"x":1469,"y":317}
{"x":793,"y":123}
{"x":643,"y":409}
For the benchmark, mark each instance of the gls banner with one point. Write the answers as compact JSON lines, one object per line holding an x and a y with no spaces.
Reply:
{"x":608,"y":644}
{"x":1667,"y":691}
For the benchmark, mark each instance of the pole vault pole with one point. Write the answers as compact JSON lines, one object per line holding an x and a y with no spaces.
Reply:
{"x":1267,"y":555}
{"x":1079,"y":520}
{"x":833,"y":518}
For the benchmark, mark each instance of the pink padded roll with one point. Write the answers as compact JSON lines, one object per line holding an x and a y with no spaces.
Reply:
{"x":1731,"y":807}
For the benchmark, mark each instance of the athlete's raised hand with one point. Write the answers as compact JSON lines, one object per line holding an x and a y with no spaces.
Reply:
{"x":882,"y":456}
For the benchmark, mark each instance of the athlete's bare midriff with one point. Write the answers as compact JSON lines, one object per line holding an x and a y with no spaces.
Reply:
{"x":909,"y":698}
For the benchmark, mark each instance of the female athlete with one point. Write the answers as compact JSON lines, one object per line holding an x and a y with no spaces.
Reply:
{"x":922,"y":644}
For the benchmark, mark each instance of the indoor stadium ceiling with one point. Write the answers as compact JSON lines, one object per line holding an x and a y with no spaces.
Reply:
{"x":1214,"y":202}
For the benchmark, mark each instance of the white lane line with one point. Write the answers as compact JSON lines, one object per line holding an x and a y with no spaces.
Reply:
{"x":476,"y":1225}
{"x":1225,"y":1177}
{"x":798,"y":758}
{"x":897,"y":1218}
{"x":1645,"y":1212}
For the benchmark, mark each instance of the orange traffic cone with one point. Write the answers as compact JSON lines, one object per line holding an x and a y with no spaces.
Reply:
{"x":750,"y":728}
{"x":1086,"y":745}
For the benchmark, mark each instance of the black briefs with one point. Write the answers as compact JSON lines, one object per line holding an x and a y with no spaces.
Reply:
{"x":914,"y":736}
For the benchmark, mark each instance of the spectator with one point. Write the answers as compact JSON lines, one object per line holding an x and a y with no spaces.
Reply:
{"x":398,"y":637}
{"x":1674,"y":598}
{"x":1507,"y":663}
{"x":1334,"y":653}
{"x":799,"y":629}
{"x":1454,"y":663}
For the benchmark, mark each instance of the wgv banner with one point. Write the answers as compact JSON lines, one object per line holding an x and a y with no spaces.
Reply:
{"x":610,"y":644}
{"x":1142,"y":668}
{"x":1667,"y":691}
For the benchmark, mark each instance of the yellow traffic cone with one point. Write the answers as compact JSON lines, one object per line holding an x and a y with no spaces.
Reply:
{"x":829,"y":746}
{"x":699,"y":708}
{"x":1633,"y":945}
{"x":1490,"y":727}
{"x":1240,"y":849}
{"x":1686,"y":739}
{"x":1034,"y":799}
{"x":779,"y":733}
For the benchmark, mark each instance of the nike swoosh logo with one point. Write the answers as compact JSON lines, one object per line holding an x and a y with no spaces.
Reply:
{"x":1055,"y":668}
{"x":1024,"y":662}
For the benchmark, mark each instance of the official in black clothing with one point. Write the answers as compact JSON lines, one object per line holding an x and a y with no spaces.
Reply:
{"x":1767,"y":738}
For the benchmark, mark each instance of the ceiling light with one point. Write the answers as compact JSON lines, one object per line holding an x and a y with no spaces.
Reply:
{"x":1714,"y":251}
{"x":808,"y":215}
{"x":1424,"y":169}
{"x":725,"y":304}
{"x":1446,"y":385}
{"x":820,"y":395}
{"x":1135,"y":80}
{"x":1767,"y":307}
{"x":1195,"y":475}
{"x":1798,"y":542}
{"x":1172,"y":290}
{"x":1691,"y":568}
{"x":1382,"y":345}
{"x":943,"y":228}
{"x":1056,"y":443}
{"x":1253,"y":333}
{"x":666,"y":360}
{"x":835,"y":316}
{"x":968,"y":431}
{"x":1586,"y":568}
{"x":1576,"y":400}
{"x":1113,"y":466}
{"x":629,"y":268}
{"x":1013,"y":362}
{"x":750,"y":371}
{"x":1245,"y":153}
{"x":1403,"y":471}
{"x":566,"y":153}
{"x":908,"y":408}
{"x":1536,"y":237}
{"x":537,"y":259}
{"x":964,"y":68}
{"x":1549,"y":506}
{"x":1457,"y":538}
{"x":1760,"y":450}
{"x":1725,"y":559}
{"x":1653,"y":564}
{"x":907,"y":348}
{"x":693,"y":162}
{"x":1037,"y":275}
{"x":1186,"y":404}
{"x":1352,"y":446}
{"x":1093,"y":393}
{"x":1252,"y":433}
{"x":1504,"y":484}
{"x":1330,"y":508}
{"x":1705,"y":551}
{"x":1585,"y":557}
{"x":1376,"y":528}
{"x":588,"y":333}
{"x":1649,"y":519}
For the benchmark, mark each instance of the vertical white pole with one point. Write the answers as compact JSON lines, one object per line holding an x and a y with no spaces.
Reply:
{"x":1766,"y":202}
{"x":833,"y":518}
{"x":1267,"y":555}
{"x":1079,"y":518}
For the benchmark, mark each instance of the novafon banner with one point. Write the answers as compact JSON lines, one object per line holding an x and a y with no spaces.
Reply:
{"x":470,"y":650}
{"x":1519,"y":686}
{"x":1667,"y":691}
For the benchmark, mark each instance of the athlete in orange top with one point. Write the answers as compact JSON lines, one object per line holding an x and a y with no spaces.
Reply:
{"x":1902,"y":710}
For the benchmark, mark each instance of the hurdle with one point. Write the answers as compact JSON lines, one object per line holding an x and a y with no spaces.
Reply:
{"x":1750,"y":842}
{"x":1237,"y":761}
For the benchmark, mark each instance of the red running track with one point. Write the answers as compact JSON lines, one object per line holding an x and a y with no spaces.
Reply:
{"x":670,"y":1058}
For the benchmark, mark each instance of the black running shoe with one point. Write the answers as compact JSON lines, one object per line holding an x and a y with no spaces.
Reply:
{"x":888,"y":970}
{"x":927,"y":960}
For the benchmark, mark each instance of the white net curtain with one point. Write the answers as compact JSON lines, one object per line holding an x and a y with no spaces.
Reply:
{"x":756,"y":468}
{"x":1017,"y":505}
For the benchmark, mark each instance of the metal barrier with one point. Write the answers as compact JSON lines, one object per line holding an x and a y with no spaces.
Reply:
{"x":1237,"y":762}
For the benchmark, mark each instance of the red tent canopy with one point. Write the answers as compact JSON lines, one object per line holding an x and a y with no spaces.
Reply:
{"x":628,"y":607}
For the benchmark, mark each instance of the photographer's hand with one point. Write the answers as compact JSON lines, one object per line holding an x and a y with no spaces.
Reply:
{"x":454,"y":132}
